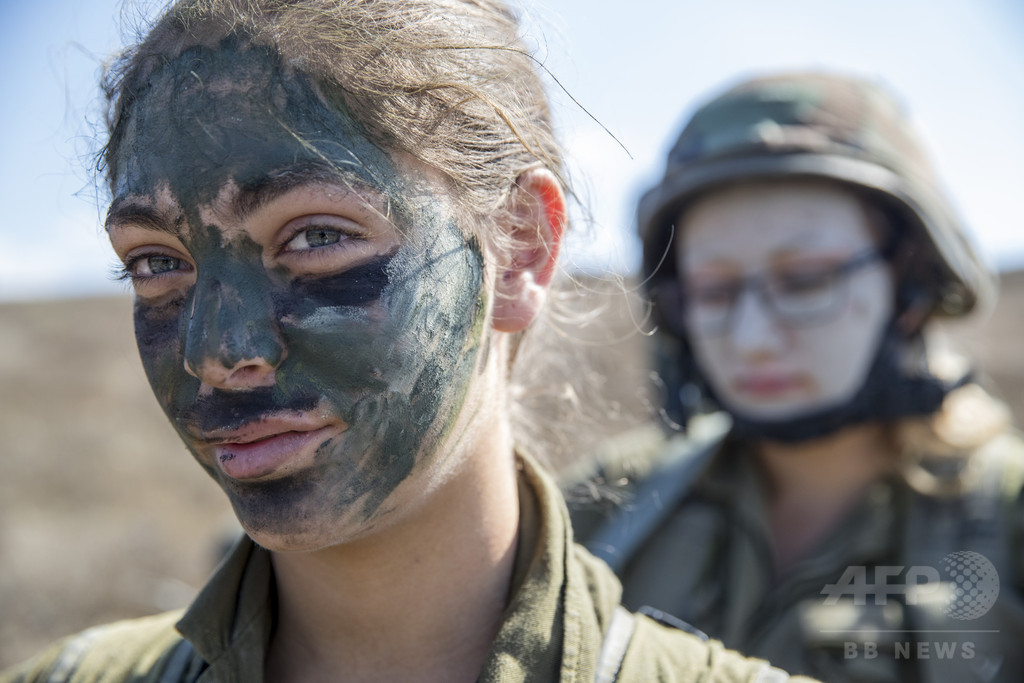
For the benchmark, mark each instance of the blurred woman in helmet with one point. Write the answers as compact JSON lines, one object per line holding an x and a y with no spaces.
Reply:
{"x":853,"y":520}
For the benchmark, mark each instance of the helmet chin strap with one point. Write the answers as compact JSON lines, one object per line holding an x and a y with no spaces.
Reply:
{"x":897,"y":385}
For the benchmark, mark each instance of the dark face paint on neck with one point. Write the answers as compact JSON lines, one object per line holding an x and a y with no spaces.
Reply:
{"x":387,"y":347}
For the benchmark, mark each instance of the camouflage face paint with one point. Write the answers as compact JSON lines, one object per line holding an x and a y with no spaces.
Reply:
{"x":387,"y":347}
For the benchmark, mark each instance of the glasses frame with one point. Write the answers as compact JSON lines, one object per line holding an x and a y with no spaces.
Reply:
{"x":758,"y":283}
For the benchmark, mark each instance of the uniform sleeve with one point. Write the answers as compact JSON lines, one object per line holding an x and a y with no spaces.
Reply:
{"x":663,"y":655}
{"x":147,"y":650}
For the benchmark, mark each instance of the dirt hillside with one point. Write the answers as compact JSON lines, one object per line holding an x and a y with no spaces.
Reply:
{"x":103,"y":513}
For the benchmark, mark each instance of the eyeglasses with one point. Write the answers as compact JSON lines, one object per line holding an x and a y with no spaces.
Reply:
{"x":801,"y":297}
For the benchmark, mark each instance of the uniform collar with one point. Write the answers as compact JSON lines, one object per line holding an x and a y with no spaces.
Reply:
{"x":558,"y":601}
{"x":863,"y":536}
{"x":230,"y":621}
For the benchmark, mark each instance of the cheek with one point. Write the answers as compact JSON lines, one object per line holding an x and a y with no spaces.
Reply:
{"x":841,"y":352}
{"x":157,"y":335}
{"x":395,"y":334}
{"x":339,"y":351}
{"x":342,"y":335}
{"x":710,"y":355}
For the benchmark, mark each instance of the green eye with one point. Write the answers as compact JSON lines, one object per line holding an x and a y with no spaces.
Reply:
{"x":162,"y":264}
{"x":314,"y":238}
{"x":321,"y":237}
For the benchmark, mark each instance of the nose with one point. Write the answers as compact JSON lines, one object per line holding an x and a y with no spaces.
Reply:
{"x":232,"y":338}
{"x":754,"y":331}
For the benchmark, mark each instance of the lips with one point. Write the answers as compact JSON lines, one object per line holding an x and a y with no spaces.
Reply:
{"x":271,"y":446}
{"x":767,"y":385}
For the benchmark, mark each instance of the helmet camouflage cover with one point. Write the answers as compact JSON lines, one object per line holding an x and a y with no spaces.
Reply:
{"x":809,"y":125}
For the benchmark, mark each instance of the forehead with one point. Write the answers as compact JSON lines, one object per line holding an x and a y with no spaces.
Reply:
{"x":236,"y":114}
{"x":755,"y":222}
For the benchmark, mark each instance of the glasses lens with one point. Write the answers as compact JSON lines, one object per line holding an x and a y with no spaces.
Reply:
{"x":801,"y":295}
{"x":709,"y":305}
{"x":807,"y":295}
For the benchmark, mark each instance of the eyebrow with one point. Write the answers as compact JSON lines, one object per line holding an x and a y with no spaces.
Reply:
{"x":253,"y":196}
{"x":249,"y":198}
{"x":134,"y":212}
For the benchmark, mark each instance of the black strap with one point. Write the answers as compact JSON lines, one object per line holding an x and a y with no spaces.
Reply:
{"x":631,"y":525}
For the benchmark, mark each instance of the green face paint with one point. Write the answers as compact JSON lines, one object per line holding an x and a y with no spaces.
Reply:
{"x":387,"y":348}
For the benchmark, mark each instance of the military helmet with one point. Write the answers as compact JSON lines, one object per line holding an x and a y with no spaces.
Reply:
{"x":817,"y":125}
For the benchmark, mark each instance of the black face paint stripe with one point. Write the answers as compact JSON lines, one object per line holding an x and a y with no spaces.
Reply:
{"x":226,"y":410}
{"x":357,"y":286}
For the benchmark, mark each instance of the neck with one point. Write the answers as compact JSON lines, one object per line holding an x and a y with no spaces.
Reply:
{"x":419,"y":601}
{"x":813,"y":483}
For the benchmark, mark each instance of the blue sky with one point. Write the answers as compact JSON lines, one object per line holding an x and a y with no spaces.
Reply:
{"x":957,"y":64}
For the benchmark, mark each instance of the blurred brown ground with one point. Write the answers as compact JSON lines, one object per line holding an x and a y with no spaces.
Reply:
{"x":103,"y":513}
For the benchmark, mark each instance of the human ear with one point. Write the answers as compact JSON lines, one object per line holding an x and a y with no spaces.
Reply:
{"x":535,"y":220}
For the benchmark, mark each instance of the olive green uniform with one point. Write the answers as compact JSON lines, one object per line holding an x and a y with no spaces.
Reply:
{"x":708,"y":559}
{"x":564,"y":602}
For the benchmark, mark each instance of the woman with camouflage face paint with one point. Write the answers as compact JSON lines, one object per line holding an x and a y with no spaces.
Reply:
{"x":338,"y":219}
{"x":795,"y":251}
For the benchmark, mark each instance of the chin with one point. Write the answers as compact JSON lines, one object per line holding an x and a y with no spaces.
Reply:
{"x":289,"y":544}
{"x":772,"y":410}
{"x":302,"y":540}
{"x":304,"y":528}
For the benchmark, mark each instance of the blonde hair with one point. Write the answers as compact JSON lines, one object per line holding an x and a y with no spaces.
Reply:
{"x":446,"y":81}
{"x":937,"y":452}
